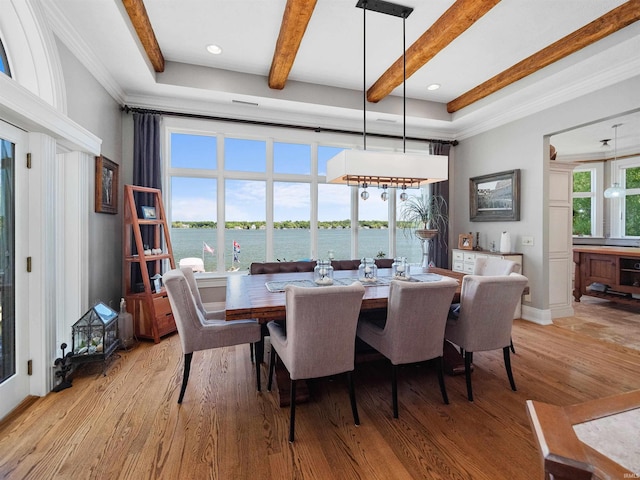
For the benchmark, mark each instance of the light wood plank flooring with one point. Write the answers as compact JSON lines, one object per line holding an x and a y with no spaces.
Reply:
{"x":128,"y":425}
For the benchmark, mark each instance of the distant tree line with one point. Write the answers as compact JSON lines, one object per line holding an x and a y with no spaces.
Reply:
{"x":287,"y":224}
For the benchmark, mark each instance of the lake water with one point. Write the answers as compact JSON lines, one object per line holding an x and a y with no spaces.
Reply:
{"x":289,"y":245}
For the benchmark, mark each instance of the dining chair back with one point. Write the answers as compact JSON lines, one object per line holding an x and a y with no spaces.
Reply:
{"x":485,"y":318}
{"x":414,"y":327}
{"x":319,"y":339}
{"x":196,"y":332}
{"x":491,"y":266}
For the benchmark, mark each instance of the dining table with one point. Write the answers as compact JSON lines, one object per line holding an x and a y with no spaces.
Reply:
{"x":261,"y":297}
{"x":249,"y":297}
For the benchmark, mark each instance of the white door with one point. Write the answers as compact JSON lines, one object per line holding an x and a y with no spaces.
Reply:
{"x":14,"y":313}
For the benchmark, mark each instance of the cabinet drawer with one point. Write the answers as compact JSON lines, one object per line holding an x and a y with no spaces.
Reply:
{"x":161,"y":305}
{"x":469,"y":267}
{"x":458,"y":266}
{"x":457,"y":255}
{"x":469,"y":257}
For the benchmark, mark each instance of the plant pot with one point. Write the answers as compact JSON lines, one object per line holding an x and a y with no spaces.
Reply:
{"x":426,"y":234}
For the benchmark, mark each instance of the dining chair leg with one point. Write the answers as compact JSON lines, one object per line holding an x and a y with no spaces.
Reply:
{"x":272,"y":363}
{"x":292,"y":416}
{"x":513,"y":350}
{"x":507,"y":365}
{"x":443,"y":388}
{"x":394,"y":389}
{"x":185,"y":374}
{"x":251,"y":352}
{"x":259,"y":347}
{"x":468,"y":358}
{"x":352,"y":397}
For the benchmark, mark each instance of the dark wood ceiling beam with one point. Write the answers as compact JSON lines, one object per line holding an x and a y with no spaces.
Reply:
{"x":611,"y":22}
{"x":458,"y":18}
{"x":140,"y":20}
{"x":295,"y":19}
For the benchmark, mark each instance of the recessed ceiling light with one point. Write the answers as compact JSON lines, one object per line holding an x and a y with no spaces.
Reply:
{"x":433,"y":86}
{"x":214,"y":49}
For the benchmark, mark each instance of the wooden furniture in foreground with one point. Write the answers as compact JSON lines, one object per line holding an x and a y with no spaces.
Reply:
{"x":615,"y":271}
{"x":149,"y":305}
{"x":565,"y":456}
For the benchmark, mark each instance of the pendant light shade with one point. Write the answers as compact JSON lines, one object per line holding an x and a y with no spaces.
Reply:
{"x":386,"y":169}
{"x":615,"y":191}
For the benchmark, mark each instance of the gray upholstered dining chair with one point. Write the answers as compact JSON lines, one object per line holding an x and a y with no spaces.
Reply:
{"x":196,"y":332}
{"x":496,"y":266}
{"x":215,"y":310}
{"x":414,"y":327}
{"x":319,"y":339}
{"x":485,"y":318}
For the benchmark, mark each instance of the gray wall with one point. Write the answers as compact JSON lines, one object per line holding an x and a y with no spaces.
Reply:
{"x":89,"y":104}
{"x":520,"y":144}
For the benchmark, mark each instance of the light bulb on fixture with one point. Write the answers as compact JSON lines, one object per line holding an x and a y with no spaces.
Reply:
{"x":364,"y":194}
{"x":384,"y":195}
{"x":615,"y":191}
{"x":404,"y":195}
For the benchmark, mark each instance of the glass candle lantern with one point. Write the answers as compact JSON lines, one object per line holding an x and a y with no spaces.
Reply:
{"x":368,"y":270}
{"x":323,"y":272}
{"x":400,"y":269}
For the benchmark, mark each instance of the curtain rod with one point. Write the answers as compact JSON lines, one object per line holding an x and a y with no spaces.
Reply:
{"x":128,"y":109}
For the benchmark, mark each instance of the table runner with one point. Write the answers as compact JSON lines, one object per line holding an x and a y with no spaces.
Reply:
{"x":278,"y":286}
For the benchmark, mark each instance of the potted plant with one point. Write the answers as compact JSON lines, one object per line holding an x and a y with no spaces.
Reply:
{"x":424,"y":216}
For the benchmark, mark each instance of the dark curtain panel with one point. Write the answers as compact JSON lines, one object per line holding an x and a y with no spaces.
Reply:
{"x":440,"y":246}
{"x":146,"y":171}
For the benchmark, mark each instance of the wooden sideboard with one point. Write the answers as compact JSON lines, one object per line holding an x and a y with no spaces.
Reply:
{"x":608,"y":272}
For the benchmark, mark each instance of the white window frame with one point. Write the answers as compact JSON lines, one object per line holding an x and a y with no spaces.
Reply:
{"x":270,"y":135}
{"x":597,"y":203}
{"x":617,"y":207}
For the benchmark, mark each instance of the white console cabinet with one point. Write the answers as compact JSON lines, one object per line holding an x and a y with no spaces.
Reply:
{"x":464,"y":261}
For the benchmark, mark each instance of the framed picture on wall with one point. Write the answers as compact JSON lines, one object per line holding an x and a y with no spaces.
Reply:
{"x":495,"y":197}
{"x":106,"y":189}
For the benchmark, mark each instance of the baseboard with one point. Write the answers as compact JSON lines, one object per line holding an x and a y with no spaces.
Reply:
{"x":535,"y":315}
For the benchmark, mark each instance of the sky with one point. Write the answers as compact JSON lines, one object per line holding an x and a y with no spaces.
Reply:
{"x":195,"y":199}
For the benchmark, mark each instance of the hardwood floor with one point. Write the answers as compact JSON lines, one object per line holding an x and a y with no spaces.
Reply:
{"x":128,"y":425}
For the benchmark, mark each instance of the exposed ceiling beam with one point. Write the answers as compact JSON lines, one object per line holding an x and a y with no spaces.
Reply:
{"x":295,"y":19}
{"x":611,"y":22}
{"x":458,"y":18}
{"x":140,"y":20}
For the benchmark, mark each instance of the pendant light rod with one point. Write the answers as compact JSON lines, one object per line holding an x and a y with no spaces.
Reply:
{"x":364,"y":76}
{"x":404,"y":85}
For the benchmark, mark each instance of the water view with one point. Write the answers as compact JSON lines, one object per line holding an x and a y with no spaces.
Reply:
{"x":289,"y":244}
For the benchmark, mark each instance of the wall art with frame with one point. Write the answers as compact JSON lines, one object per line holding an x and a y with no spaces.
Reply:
{"x":106,"y":188}
{"x":495,"y":197}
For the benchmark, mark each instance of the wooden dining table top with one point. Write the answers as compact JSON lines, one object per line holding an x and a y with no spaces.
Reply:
{"x":248,"y":296}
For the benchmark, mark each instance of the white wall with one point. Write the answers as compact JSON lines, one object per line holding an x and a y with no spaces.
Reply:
{"x":521,"y":144}
{"x":89,"y":104}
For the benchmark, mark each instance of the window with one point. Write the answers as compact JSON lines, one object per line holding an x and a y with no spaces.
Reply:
{"x":631,"y":205}
{"x":238,"y":195}
{"x":4,"y":62}
{"x":583,"y":195}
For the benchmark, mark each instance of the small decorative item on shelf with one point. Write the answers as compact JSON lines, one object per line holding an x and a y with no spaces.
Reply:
{"x":331,"y":254}
{"x":400,"y":269}
{"x":368,"y":270}
{"x":465,"y":241}
{"x":323,"y":272}
{"x":157,"y":282}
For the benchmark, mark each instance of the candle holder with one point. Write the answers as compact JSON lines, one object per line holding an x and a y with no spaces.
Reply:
{"x":400,"y":269}
{"x":368,"y":270}
{"x":323,"y":273}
